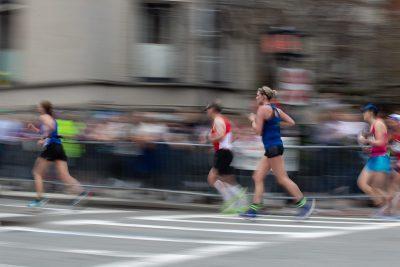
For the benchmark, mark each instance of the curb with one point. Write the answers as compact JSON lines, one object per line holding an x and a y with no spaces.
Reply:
{"x":112,"y":201}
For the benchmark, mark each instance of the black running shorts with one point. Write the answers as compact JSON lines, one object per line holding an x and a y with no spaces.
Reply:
{"x":274,"y":151}
{"x":53,"y":152}
{"x":222,"y":162}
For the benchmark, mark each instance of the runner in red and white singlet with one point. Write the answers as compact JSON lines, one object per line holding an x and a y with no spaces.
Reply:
{"x":222,"y":174}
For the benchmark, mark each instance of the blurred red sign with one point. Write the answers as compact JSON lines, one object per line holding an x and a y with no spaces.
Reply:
{"x":394,"y":5}
{"x":280,"y":43}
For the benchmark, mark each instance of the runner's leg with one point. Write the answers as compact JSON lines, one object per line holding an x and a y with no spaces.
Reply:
{"x":364,"y":183}
{"x":305,"y":207}
{"x":213,"y":181}
{"x":41,"y":165}
{"x":263,"y":168}
{"x":66,"y":178}
{"x":394,"y":189}
{"x":236,"y":191}
{"x":229,"y":179}
{"x":379,"y":186}
{"x":278,"y":168}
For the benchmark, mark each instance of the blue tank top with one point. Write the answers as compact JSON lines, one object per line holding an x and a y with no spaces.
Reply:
{"x":271,"y":132}
{"x":53,"y":137}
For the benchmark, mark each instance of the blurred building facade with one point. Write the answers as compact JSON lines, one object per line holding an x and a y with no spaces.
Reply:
{"x":187,"y":52}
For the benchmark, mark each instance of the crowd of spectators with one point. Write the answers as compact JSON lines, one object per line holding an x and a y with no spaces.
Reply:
{"x":334,"y":124}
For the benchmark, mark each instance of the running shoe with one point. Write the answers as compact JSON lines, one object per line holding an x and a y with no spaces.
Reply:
{"x":235,"y":208}
{"x":241,"y":205}
{"x":306,"y":210}
{"x":236,"y":204}
{"x":242,"y":209}
{"x":252,"y":211}
{"x":228,"y":211}
{"x":242,"y":200}
{"x":80,"y":197}
{"x":382,"y":212}
{"x":37,"y":203}
{"x":227,"y":206}
{"x":396,"y":200}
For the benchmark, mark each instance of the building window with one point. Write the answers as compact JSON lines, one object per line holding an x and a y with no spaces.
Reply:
{"x":156,"y":23}
{"x":5,"y":30}
{"x":9,"y":14}
{"x":10,"y":70}
{"x":208,"y":32}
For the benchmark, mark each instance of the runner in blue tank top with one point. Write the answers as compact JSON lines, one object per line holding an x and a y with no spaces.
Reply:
{"x":53,"y":151}
{"x":267,"y":123}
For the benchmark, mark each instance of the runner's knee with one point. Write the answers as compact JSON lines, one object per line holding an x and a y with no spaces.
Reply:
{"x":36,"y":173}
{"x":211,"y":179}
{"x":258,"y":177}
{"x":362,"y":183}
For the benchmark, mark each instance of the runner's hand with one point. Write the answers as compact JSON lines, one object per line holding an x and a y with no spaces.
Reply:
{"x":366,"y":150}
{"x":41,"y":142}
{"x":252,"y":117}
{"x":203,"y":139}
{"x":362,"y":140}
{"x":32,"y":127}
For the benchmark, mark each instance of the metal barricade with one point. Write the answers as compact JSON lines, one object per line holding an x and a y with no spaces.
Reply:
{"x":182,"y":166}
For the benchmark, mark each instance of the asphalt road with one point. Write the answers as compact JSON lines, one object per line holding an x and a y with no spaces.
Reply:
{"x":59,"y":236}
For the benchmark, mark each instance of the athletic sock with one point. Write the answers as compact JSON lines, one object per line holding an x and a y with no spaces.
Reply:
{"x":222,"y":189}
{"x":235,"y":190}
{"x":256,"y":206}
{"x":301,"y":202}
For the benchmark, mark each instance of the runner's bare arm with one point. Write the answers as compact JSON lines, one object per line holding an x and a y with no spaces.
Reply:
{"x":33,"y":128}
{"x":286,"y":119}
{"x":257,"y":121}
